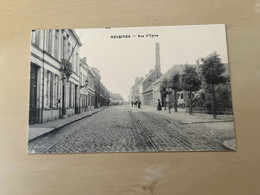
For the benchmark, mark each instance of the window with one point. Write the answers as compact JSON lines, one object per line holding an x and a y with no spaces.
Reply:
{"x":56,"y":91}
{"x":49,"y":42}
{"x":70,"y":93}
{"x":63,"y":47}
{"x":82,"y":100}
{"x":181,"y":95}
{"x":73,"y":62}
{"x":77,"y":63}
{"x":51,"y":90}
{"x":80,"y":79}
{"x":35,"y":37}
{"x":56,"y":44}
{"x":68,"y":52}
{"x":47,"y":89}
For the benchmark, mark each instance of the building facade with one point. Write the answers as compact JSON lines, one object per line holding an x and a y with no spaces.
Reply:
{"x":142,"y":90}
{"x":54,"y":76}
{"x":116,"y":99}
{"x":87,"y":86}
{"x":104,"y":95}
{"x":97,"y":85}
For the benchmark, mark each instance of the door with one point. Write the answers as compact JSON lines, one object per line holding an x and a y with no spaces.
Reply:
{"x":76,"y":102}
{"x":33,"y":95}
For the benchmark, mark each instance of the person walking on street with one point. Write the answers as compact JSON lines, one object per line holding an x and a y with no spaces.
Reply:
{"x":159,"y":107}
{"x":139,"y":104}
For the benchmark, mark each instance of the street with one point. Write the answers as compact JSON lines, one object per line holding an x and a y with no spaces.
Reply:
{"x":128,"y":129}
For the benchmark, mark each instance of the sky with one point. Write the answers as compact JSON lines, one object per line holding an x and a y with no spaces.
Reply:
{"x":121,"y":60}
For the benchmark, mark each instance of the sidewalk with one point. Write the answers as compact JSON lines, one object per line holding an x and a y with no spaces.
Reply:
{"x":183,"y":117}
{"x":222,"y":122}
{"x":39,"y":130}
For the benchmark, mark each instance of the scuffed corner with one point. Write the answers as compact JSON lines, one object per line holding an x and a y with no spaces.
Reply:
{"x":150,"y":180}
{"x":154,"y":174}
{"x":150,"y":187}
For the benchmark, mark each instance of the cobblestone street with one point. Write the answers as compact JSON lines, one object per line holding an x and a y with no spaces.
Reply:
{"x":127,"y":129}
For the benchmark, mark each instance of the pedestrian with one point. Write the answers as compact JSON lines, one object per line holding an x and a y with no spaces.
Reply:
{"x":139,"y":104}
{"x":159,"y":107}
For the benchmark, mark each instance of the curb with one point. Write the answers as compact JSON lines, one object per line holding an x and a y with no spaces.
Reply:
{"x":206,"y":122}
{"x":63,"y":125}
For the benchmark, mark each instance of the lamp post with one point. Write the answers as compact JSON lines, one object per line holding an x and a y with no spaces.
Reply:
{"x":169,"y":92}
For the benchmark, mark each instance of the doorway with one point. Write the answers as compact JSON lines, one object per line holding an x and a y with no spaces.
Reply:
{"x":33,"y":95}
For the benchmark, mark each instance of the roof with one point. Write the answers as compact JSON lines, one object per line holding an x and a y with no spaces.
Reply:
{"x":116,"y":96}
{"x":149,"y":89}
{"x":146,"y":77}
{"x":87,"y":67}
{"x":175,"y":68}
{"x":75,"y":36}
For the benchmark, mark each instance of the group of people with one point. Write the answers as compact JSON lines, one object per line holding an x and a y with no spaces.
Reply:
{"x":138,"y":104}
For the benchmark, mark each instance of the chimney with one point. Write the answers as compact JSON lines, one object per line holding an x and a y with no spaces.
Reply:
{"x":157,"y":61}
{"x":198,"y":61}
{"x":84,"y":60}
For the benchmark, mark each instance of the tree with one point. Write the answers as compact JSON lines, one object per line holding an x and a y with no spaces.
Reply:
{"x":163,"y":91}
{"x":190,"y":82}
{"x":212,"y":70}
{"x":174,"y":83}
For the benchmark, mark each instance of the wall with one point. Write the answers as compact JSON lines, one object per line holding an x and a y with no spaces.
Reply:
{"x":129,"y":173}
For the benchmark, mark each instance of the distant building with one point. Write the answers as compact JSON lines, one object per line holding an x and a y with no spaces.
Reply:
{"x":116,"y":99}
{"x":97,"y":87}
{"x":156,"y":85}
{"x":104,"y":95}
{"x":141,"y":90}
{"x":134,"y":91}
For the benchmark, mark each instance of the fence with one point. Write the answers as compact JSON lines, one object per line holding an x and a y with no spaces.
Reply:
{"x":207,"y":110}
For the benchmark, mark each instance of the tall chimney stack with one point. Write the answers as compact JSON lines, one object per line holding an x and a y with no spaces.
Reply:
{"x":158,"y":73}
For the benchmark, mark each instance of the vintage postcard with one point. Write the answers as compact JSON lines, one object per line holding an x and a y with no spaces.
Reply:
{"x":134,"y":89}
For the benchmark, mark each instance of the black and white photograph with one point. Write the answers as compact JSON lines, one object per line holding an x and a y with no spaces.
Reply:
{"x":130,"y":89}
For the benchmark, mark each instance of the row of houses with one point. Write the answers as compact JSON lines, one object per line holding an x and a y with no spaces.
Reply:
{"x":61,"y":83}
{"x":147,"y":89}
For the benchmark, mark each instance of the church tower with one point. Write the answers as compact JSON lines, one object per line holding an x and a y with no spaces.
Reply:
{"x":158,"y":73}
